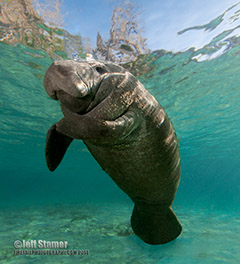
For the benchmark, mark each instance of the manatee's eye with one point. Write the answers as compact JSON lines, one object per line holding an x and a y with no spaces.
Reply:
{"x":100,"y":70}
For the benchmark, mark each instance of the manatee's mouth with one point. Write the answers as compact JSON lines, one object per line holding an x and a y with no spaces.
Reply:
{"x":80,"y":105}
{"x":74,"y":104}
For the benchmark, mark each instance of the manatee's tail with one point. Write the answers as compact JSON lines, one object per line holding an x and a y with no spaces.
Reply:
{"x":155,"y":227}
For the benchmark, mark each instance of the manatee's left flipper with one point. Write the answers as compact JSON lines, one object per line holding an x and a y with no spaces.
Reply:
{"x":123,"y":126}
{"x":85,"y":127}
{"x":56,"y":146}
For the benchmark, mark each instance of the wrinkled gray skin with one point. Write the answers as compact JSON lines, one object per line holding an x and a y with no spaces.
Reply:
{"x":127,"y":132}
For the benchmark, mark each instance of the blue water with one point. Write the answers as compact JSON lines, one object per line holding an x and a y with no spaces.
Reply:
{"x":81,"y":204}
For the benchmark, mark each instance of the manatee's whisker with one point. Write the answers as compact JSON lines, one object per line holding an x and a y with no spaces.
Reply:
{"x":80,"y":77}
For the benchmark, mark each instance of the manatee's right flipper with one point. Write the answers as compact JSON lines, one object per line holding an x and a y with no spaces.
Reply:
{"x":155,"y":227}
{"x":56,"y":146}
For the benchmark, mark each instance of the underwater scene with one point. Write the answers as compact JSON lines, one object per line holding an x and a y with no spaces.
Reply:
{"x":198,"y":85}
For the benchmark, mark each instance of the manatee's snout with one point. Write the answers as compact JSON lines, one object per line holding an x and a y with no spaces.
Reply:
{"x":71,"y":83}
{"x":71,"y":77}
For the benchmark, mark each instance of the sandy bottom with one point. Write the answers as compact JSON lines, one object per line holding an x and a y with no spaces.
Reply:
{"x":104,"y":232}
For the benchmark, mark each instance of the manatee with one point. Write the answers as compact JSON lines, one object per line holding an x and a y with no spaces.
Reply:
{"x":128,"y":133}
